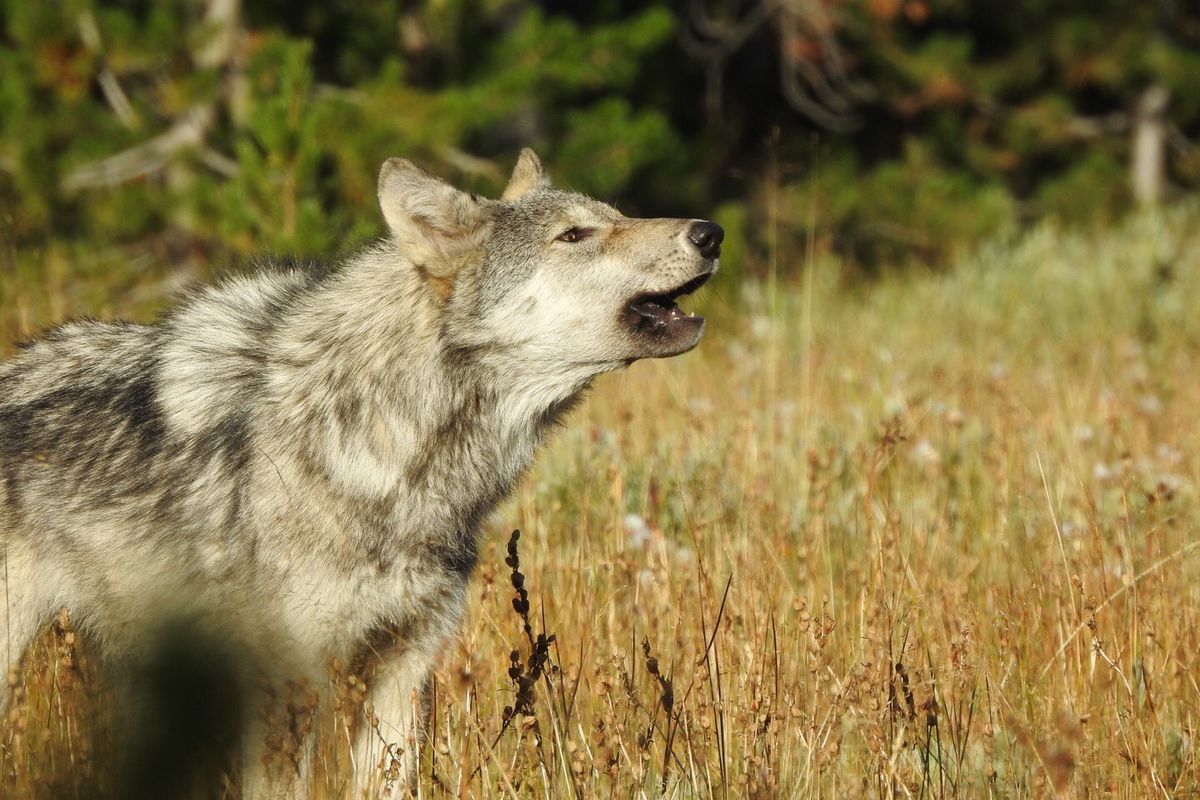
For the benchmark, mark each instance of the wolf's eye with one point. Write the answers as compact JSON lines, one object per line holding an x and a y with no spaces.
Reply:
{"x":574,"y":234}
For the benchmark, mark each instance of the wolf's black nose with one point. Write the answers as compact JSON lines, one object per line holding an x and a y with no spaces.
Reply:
{"x":707,"y":236}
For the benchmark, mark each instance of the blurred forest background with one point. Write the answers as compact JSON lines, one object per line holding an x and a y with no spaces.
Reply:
{"x":887,"y":132}
{"x":946,"y":479}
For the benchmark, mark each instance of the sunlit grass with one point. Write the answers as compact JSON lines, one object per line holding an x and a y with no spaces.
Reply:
{"x":932,"y":537}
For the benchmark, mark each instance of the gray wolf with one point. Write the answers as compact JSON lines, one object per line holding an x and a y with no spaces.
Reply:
{"x":297,"y":462}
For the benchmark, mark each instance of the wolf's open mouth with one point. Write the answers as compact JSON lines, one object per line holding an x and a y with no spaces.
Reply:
{"x":660,"y":309}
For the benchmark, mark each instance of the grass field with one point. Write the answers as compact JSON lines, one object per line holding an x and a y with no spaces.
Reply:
{"x":932,"y":537}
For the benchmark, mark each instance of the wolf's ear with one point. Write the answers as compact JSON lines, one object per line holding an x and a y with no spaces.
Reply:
{"x":528,"y":174}
{"x":440,"y":227}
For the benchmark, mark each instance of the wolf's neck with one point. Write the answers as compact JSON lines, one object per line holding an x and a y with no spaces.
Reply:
{"x":397,"y":412}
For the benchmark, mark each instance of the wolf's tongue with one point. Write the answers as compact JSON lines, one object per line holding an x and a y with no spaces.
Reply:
{"x":658,"y":310}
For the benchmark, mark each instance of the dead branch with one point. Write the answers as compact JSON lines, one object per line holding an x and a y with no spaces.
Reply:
{"x":187,"y":132}
{"x":817,"y":84}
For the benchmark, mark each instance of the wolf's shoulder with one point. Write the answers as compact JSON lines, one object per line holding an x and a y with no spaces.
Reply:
{"x":271,"y":275}
{"x":249,"y":296}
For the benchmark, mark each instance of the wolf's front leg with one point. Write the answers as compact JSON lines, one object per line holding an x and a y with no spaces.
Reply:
{"x":388,"y":745}
{"x":399,"y":667}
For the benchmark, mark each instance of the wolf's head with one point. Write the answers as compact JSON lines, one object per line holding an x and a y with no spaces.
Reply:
{"x":548,"y":276}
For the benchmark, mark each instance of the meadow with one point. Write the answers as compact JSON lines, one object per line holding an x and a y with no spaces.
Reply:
{"x":929,"y":536}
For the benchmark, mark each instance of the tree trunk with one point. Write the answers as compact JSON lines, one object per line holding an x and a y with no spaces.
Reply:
{"x":1148,"y":160}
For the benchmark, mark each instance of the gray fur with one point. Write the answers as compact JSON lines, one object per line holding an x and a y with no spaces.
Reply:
{"x":298,"y":461}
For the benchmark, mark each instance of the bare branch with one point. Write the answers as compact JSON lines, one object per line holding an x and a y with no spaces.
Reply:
{"x":221,"y":19}
{"x":834,"y":58}
{"x":806,"y":105}
{"x":219,"y":163}
{"x":468,"y":164}
{"x":110,"y":87}
{"x":188,"y":132}
{"x":826,"y":108}
{"x":731,"y":36}
{"x":1092,"y":127}
{"x":820,"y":88}
{"x":143,"y":159}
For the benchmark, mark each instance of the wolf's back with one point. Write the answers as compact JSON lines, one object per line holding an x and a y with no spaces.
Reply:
{"x":128,"y":420}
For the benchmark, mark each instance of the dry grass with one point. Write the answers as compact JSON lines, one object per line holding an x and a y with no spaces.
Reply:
{"x":933,"y":538}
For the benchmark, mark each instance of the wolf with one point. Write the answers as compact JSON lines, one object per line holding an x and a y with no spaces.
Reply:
{"x":298,"y":461}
